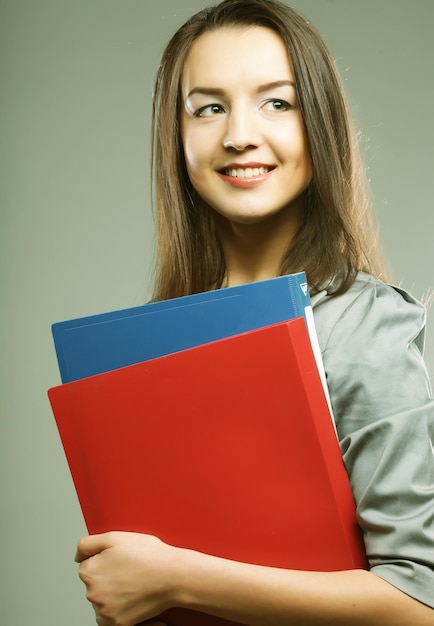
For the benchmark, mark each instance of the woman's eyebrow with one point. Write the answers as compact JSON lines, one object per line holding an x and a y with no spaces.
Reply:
{"x":216,"y":91}
{"x":206,"y":91}
{"x":274,"y":84}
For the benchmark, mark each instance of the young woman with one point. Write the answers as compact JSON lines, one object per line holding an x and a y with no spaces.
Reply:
{"x":260,"y":178}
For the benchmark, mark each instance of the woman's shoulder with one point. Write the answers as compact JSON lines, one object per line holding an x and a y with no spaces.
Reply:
{"x":370,"y":308}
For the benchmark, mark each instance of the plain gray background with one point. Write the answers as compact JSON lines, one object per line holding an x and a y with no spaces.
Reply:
{"x":76,"y":226}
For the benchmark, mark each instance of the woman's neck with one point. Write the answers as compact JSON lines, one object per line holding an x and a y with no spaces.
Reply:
{"x":255,"y":251}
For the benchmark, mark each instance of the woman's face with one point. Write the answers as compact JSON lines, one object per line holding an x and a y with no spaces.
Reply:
{"x":243,"y":137}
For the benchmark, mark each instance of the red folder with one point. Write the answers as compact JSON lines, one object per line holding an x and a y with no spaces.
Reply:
{"x":228,"y":448}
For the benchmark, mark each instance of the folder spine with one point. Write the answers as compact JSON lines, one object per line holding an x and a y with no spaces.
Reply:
{"x":299,"y":293}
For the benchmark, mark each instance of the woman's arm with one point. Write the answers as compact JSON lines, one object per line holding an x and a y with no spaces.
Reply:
{"x":132,"y":577}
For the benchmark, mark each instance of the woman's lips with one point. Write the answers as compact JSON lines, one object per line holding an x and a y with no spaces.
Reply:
{"x":245,"y":176}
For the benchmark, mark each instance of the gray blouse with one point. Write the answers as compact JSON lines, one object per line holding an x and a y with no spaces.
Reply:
{"x":371,"y":340}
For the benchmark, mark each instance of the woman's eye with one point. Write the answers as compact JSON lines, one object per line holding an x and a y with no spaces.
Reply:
{"x":277,"y":105}
{"x":209,"y":110}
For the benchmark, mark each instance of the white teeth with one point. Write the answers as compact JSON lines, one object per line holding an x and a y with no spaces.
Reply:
{"x":246,"y":172}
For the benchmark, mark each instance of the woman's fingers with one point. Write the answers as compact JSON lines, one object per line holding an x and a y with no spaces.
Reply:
{"x":92,"y":545}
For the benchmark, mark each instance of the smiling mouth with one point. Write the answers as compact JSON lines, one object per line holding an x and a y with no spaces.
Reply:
{"x":246,"y":172}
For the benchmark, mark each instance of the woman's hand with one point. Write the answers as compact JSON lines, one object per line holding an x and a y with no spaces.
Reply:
{"x":129,"y":577}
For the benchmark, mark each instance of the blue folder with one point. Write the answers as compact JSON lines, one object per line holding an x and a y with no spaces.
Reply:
{"x":99,"y":343}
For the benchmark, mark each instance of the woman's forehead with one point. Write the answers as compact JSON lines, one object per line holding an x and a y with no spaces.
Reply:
{"x":231,"y":54}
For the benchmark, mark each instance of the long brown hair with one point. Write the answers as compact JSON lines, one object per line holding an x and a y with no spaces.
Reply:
{"x":336,"y":239}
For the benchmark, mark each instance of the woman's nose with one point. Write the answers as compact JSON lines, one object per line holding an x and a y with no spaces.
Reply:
{"x":242,"y":132}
